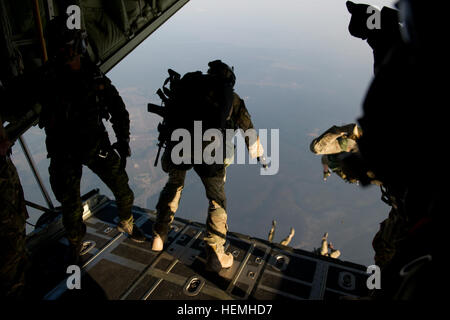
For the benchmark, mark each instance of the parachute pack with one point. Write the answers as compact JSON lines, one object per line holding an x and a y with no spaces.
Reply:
{"x":196,"y":97}
{"x":193,"y":97}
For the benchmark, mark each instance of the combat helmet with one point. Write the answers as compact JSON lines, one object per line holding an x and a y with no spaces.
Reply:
{"x":60,"y":37}
{"x":217,"y":67}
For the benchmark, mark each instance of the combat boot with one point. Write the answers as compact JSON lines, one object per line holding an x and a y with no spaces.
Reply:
{"x":158,"y":241}
{"x":134,"y":232}
{"x":217,"y":259}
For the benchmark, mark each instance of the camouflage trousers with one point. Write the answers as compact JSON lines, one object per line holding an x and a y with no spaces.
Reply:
{"x":169,"y":199}
{"x":392,"y":229}
{"x":65,"y":176}
{"x":13,"y":215}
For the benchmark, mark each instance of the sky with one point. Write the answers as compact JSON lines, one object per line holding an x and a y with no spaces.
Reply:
{"x":298,"y":71}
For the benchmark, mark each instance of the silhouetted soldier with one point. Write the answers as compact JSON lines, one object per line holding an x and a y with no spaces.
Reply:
{"x":213,"y":180}
{"x":405,"y":130}
{"x":382,"y":39}
{"x":76,"y":97}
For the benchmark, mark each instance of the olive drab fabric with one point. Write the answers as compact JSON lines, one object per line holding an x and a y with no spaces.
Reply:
{"x":13,"y":215}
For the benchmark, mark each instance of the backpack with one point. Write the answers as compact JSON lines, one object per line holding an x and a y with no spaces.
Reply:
{"x":195,"y":97}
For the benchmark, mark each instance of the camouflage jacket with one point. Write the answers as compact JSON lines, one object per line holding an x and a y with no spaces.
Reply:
{"x":239,"y":116}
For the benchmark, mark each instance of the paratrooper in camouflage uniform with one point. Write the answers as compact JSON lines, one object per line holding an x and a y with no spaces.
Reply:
{"x":216,"y":224}
{"x":76,"y":97}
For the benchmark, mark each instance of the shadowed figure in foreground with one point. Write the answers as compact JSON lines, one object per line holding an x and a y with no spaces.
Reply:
{"x":404,"y":125}
{"x":76,"y":97}
{"x":14,"y":257}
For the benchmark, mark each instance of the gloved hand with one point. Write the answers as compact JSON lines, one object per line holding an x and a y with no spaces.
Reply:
{"x":123,"y":148}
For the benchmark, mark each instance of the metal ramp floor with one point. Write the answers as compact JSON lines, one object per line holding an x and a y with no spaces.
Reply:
{"x":116,"y":268}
